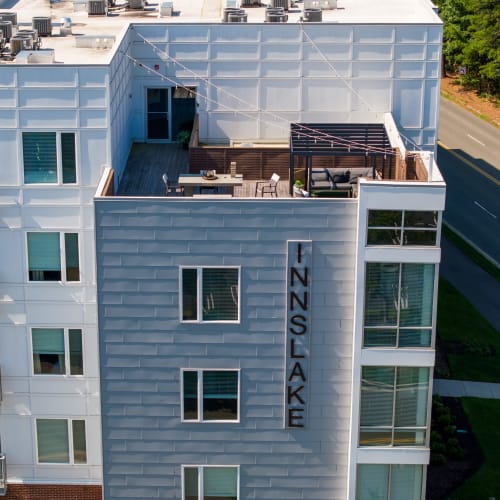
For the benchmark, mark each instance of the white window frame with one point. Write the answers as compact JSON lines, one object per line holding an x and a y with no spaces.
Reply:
{"x":62,"y":255}
{"x":67,"y":363}
{"x":199,"y":395}
{"x":200,"y":477}
{"x":426,"y":429}
{"x":59,"y":181}
{"x":397,"y":327}
{"x":402,"y":228}
{"x":69,"y":423}
{"x":199,"y":298}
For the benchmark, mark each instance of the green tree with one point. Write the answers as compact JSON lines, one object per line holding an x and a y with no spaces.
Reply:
{"x":471,"y":39}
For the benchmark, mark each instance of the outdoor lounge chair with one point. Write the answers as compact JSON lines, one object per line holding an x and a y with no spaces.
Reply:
{"x":269,"y":187}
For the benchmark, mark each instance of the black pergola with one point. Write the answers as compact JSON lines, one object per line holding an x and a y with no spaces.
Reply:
{"x":368,"y":140}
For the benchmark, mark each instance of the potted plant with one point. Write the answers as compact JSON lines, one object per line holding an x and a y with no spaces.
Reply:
{"x":183,"y":138}
{"x":298,"y":187}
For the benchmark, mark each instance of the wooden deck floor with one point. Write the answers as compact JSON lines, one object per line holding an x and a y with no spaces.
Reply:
{"x":148,"y":162}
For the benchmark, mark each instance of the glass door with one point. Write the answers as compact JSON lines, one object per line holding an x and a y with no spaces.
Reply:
{"x":157,"y":114}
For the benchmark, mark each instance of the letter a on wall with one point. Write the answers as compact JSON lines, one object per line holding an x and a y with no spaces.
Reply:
{"x":298,"y":332}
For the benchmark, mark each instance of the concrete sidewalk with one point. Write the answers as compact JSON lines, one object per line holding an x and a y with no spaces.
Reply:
{"x":466,"y":388}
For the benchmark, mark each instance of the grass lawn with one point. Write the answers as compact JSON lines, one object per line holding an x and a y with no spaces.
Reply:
{"x":472,"y":344}
{"x":484,"y":416}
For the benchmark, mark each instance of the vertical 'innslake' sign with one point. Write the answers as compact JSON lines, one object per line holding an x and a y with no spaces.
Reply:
{"x":298,"y":332}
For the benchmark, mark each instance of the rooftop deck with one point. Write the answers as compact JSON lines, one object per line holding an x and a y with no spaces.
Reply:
{"x":148,"y":162}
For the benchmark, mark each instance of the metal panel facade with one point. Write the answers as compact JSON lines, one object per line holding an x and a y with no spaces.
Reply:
{"x":141,"y":244}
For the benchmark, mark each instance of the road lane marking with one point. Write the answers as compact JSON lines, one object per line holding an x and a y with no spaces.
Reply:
{"x":469,"y":163}
{"x":486,"y":210}
{"x":477,"y":140}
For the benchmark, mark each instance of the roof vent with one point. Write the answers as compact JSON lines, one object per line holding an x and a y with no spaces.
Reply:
{"x":237,"y":17}
{"x":43,"y":25}
{"x":65,"y":28}
{"x":9,"y":16}
{"x":97,"y":7}
{"x":5,"y":29}
{"x":285,"y":4}
{"x":313,"y":15}
{"x":250,"y":3}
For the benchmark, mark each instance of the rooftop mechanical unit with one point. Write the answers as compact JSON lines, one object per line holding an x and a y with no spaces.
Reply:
{"x":285,"y":4}
{"x":33,"y":34}
{"x":237,"y":17}
{"x":276,"y":15}
{"x":6,"y":29}
{"x":230,"y":10}
{"x":97,"y":7}
{"x":136,"y":4}
{"x":249,"y":3}
{"x":313,"y":15}
{"x":9,"y":16}
{"x":18,"y":43}
{"x":43,"y":25}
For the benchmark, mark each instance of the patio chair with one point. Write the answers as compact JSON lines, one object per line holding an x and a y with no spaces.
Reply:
{"x":269,"y":187}
{"x":172,"y":188}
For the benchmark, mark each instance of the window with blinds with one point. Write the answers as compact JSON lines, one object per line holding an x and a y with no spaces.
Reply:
{"x":393,"y":406}
{"x":210,"y":483}
{"x":399,"y":299}
{"x":210,"y":294}
{"x":61,"y":441}
{"x":402,"y":227}
{"x":210,"y":395}
{"x":57,"y":351}
{"x":45,"y":255}
{"x":390,"y":482}
{"x":49,"y":157}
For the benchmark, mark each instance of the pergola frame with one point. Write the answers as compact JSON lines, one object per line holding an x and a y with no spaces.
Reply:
{"x":368,"y":140}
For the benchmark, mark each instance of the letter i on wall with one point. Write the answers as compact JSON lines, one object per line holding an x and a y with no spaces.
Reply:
{"x":298,"y":332}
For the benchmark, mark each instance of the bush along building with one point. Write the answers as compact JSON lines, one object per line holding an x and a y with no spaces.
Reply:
{"x":195,"y":323}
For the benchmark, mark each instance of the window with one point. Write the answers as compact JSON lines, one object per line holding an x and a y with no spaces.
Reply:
{"x":45,"y":162}
{"x":398,"y":305}
{"x":210,"y":395}
{"x":393,"y":406}
{"x":57,"y":351}
{"x":210,"y":483}
{"x":61,"y":441}
{"x":389,"y":482}
{"x":210,"y":294}
{"x":53,"y":257}
{"x":402,"y":227}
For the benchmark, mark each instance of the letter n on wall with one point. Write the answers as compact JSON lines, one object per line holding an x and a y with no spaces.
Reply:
{"x":298,"y":332}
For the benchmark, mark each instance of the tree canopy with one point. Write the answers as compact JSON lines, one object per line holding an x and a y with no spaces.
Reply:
{"x":471,"y":42}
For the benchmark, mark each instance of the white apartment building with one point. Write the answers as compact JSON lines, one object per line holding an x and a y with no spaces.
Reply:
{"x":78,"y":386}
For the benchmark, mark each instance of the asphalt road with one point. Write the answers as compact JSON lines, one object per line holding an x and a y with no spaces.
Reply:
{"x":469,"y":159}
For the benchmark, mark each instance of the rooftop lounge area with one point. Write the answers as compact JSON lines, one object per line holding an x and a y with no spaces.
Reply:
{"x":320,"y":160}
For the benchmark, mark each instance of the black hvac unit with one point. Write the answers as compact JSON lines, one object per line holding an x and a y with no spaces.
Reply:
{"x":97,"y":7}
{"x":313,"y":15}
{"x":43,"y":25}
{"x":230,"y":10}
{"x":237,"y":17}
{"x":9,"y":16}
{"x":280,"y":3}
{"x":6,"y":29}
